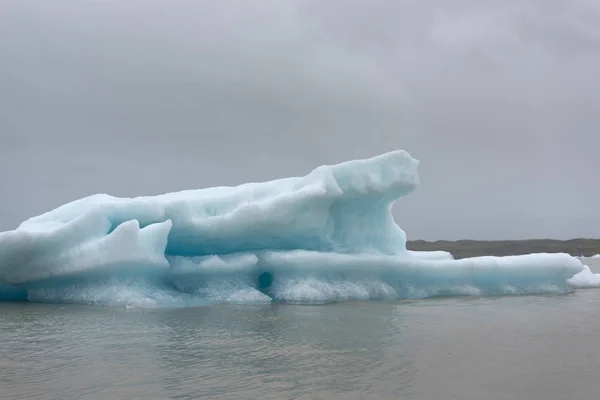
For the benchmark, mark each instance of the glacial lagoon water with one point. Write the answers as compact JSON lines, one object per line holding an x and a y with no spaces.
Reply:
{"x":506,"y":347}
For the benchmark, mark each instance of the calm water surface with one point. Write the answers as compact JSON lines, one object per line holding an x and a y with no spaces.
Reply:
{"x":533,"y":347}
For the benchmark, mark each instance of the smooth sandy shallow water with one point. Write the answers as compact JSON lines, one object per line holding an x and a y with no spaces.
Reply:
{"x":529,"y":347}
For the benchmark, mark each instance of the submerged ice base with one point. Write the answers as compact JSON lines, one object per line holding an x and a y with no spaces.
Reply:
{"x":327,"y":236}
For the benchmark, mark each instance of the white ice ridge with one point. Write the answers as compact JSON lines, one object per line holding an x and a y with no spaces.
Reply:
{"x":327,"y":236}
{"x":585,"y":279}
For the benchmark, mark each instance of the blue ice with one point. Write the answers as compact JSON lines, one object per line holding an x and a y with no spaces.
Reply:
{"x":324,"y":237}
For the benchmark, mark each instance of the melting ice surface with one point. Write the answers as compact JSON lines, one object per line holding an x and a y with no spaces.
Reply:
{"x":327,"y":236}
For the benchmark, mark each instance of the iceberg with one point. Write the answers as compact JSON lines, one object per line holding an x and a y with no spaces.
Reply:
{"x":324,"y":237}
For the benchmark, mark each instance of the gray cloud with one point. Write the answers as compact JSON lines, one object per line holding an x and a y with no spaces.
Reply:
{"x":500,"y":100}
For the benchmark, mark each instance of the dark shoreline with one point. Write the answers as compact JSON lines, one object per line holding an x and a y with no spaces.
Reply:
{"x":474,"y":248}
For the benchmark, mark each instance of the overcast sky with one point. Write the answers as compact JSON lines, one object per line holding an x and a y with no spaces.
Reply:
{"x":499,"y":100}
